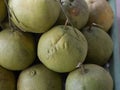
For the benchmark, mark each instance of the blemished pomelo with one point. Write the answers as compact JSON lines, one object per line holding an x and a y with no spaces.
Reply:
{"x":100,"y":45}
{"x":3,"y":10}
{"x":38,"y":77}
{"x":62,"y":48}
{"x":76,"y":10}
{"x":89,"y":77}
{"x":7,"y":79}
{"x":17,"y":49}
{"x":100,"y":13}
{"x":35,"y":16}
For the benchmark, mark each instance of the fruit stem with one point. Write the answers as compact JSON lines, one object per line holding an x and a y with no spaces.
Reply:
{"x":95,"y":25}
{"x":68,"y":19}
{"x":66,"y":22}
{"x":81,"y":67}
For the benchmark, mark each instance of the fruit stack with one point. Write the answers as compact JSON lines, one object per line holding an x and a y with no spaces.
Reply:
{"x":55,"y":45}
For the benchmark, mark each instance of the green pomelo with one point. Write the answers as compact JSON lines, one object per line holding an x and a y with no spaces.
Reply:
{"x":17,"y":49}
{"x":38,"y":77}
{"x":89,"y":77}
{"x":62,"y":48}
{"x":3,"y":10}
{"x":100,"y":13}
{"x":100,"y":45}
{"x":34,"y":15}
{"x":7,"y":80}
{"x":77,"y":12}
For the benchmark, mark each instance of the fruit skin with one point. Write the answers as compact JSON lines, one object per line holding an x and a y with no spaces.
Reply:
{"x":17,"y":49}
{"x":35,"y":16}
{"x":92,"y":77}
{"x":76,"y":10}
{"x":3,"y":10}
{"x":38,"y":77}
{"x":100,"y":13}
{"x":100,"y":45}
{"x":62,"y":48}
{"x":7,"y":79}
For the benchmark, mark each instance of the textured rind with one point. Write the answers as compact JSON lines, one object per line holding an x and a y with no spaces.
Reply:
{"x":100,"y":45}
{"x":100,"y":13}
{"x":90,"y":77}
{"x":62,"y":48}
{"x":77,"y":11}
{"x":38,"y":77}
{"x":35,"y":16}
{"x":17,"y":49}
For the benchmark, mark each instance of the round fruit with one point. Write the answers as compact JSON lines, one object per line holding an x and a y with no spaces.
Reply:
{"x":62,"y":48}
{"x":89,"y":77}
{"x":100,"y":13}
{"x":34,"y":15}
{"x":77,"y":12}
{"x":17,"y":49}
{"x":100,"y":45}
{"x":7,"y":80}
{"x":38,"y":77}
{"x":3,"y":10}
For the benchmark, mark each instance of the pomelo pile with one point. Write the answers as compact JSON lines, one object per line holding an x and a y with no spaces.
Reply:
{"x":55,"y":44}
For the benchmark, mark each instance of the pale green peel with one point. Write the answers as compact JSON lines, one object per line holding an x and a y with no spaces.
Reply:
{"x":34,"y":15}
{"x":93,"y":78}
{"x":61,"y":49}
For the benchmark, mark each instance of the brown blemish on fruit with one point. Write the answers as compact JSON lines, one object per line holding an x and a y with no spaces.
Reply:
{"x":74,"y":11}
